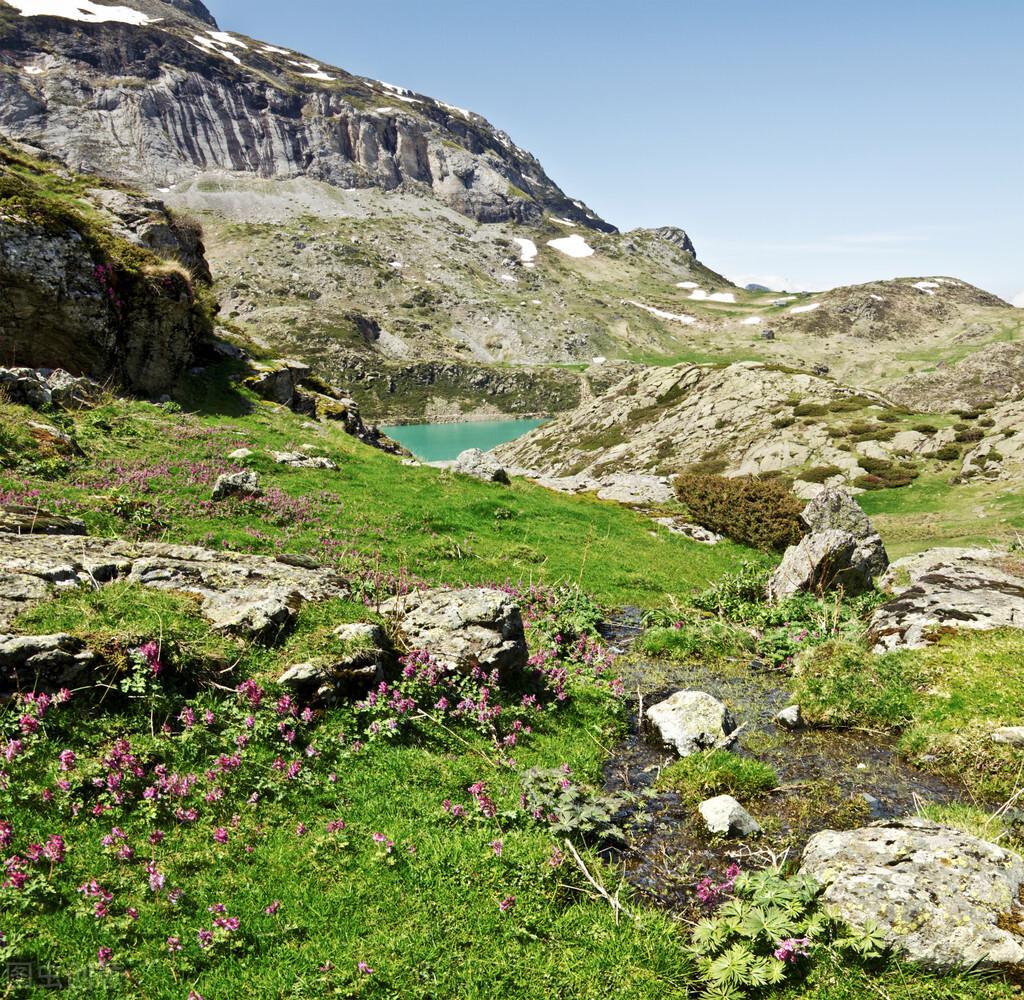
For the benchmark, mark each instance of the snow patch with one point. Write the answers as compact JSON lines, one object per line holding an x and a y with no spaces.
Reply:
{"x":80,"y":10}
{"x":796,"y":310}
{"x":527,"y":250}
{"x":274,"y":50}
{"x":784,"y":300}
{"x":662,"y":314}
{"x":564,"y":222}
{"x":32,"y":70}
{"x":599,"y":360}
{"x":394,"y":89}
{"x":225,"y":39}
{"x":458,"y":111}
{"x":687,"y":284}
{"x":572,"y":246}
{"x":721,"y":297}
{"x":210,"y":46}
{"x":751,"y":321}
{"x":699,"y":295}
{"x":878,"y":298}
{"x":928,"y":287}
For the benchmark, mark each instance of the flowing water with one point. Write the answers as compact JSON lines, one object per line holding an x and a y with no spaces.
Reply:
{"x":827,"y":779}
{"x":445,"y":442}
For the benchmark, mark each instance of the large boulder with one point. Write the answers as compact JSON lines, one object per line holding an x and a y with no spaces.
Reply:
{"x":481,"y":465}
{"x":463,"y":628}
{"x":937,"y":895}
{"x":689,"y":721}
{"x":948,"y":589}
{"x":841,"y":550}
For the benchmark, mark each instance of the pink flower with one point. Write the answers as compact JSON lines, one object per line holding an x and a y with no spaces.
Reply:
{"x":507,"y":903}
{"x":67,"y":760}
{"x":103,"y":956}
{"x":173,"y":944}
{"x":792,"y":950}
{"x":220,"y":835}
{"x":301,"y":830}
{"x":365,"y":969}
{"x":273,"y":908}
{"x":497,"y":846}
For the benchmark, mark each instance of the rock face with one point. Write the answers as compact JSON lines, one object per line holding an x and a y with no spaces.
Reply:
{"x":463,"y":628}
{"x":689,"y":721}
{"x":69,"y":302}
{"x":254,"y":596}
{"x":723,"y":814}
{"x":40,"y":388}
{"x":935,"y":893}
{"x":841,"y":551}
{"x":237,"y":484}
{"x":162,"y":101}
{"x":948,"y":589}
{"x":481,"y":465}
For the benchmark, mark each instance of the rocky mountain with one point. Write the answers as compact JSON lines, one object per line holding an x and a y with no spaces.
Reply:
{"x":153,"y":92}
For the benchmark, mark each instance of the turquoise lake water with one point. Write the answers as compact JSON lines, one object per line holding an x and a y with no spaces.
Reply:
{"x":444,"y":442}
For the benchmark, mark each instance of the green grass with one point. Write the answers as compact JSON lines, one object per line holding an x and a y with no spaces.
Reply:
{"x":717,"y":772}
{"x":700,"y":639}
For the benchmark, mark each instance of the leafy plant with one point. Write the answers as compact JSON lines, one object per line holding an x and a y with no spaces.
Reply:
{"x":569,"y":809}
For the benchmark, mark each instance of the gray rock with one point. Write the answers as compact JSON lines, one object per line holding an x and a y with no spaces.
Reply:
{"x":936,"y":894}
{"x":463,"y":628}
{"x":944,"y":589}
{"x":359,"y":667}
{"x":635,"y":490}
{"x":240,"y":454}
{"x":263,"y":617}
{"x":1010,"y":735}
{"x":834,"y":508}
{"x":297,"y":460}
{"x":237,"y":484}
{"x":790,"y":718}
{"x":21,"y":520}
{"x":823,"y":561}
{"x":278,"y":382}
{"x":481,"y":465}
{"x":43,"y":662}
{"x":723,"y":814}
{"x":689,"y":721}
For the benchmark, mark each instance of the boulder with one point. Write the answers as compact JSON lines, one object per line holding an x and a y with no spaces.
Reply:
{"x":43,"y":661}
{"x":1010,"y":735}
{"x":278,"y":382}
{"x":723,"y":814}
{"x":938,"y":895}
{"x":790,"y":718}
{"x":52,"y":440}
{"x":260,"y":616}
{"x":834,"y":508}
{"x":237,"y":484}
{"x":240,"y":454}
{"x":354,"y":672}
{"x":481,"y":465}
{"x":825,"y":560}
{"x":463,"y":628}
{"x":18,"y":519}
{"x":689,"y":721}
{"x":947,"y":589}
{"x":297,"y":460}
{"x":692,"y":531}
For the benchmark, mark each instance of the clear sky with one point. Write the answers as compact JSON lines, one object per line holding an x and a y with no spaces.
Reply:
{"x":800,"y":143}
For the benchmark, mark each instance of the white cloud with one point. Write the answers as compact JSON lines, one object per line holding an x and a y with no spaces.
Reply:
{"x":1018,"y":300}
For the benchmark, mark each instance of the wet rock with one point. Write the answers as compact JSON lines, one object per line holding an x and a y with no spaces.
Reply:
{"x":481,"y":465}
{"x":463,"y":628}
{"x":299,"y":461}
{"x":1011,"y":735}
{"x":936,"y":894}
{"x":723,"y":814}
{"x":947,"y":589}
{"x":237,"y":484}
{"x":874,"y":805}
{"x":40,"y":662}
{"x":689,"y":721}
{"x":790,"y":718}
{"x":19,"y":519}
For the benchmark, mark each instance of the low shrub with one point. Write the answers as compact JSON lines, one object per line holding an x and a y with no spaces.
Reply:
{"x":760,"y":513}
{"x":809,"y":410}
{"x":971,"y":435}
{"x":707,"y":467}
{"x":928,"y":429}
{"x":947,"y":453}
{"x":883,"y":474}
{"x":819,"y":473}
{"x":781,"y":423}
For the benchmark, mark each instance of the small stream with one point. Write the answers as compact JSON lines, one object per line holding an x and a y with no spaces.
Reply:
{"x":828,"y":779}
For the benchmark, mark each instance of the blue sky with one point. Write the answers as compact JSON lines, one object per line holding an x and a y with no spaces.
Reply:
{"x":817,"y":143}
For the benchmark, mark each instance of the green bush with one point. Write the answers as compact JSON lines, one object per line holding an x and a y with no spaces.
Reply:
{"x":819,"y":473}
{"x":718,"y":772}
{"x":973,"y":434}
{"x":761,"y":513}
{"x":781,"y":423}
{"x":810,"y":410}
{"x":948,"y":453}
{"x":928,"y":429}
{"x":883,"y":474}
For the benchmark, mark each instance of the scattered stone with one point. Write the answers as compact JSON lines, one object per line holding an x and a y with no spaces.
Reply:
{"x":297,"y":460}
{"x":43,"y":662}
{"x":17,"y":519}
{"x":241,"y":454}
{"x":936,"y":894}
{"x":52,"y":439}
{"x":790,"y":718}
{"x":723,"y":814}
{"x":947,"y":589}
{"x":689,"y":721}
{"x":42,"y":387}
{"x":1011,"y":735}
{"x":694,"y":532}
{"x":874,"y":805}
{"x":481,"y":465}
{"x":463,"y":628}
{"x":237,"y":484}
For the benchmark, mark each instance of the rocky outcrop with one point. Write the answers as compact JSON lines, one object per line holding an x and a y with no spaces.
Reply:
{"x":689,"y":721}
{"x":724,"y":815}
{"x":944,"y":590}
{"x":841,"y":551}
{"x":19,"y":519}
{"x":463,"y":629}
{"x":40,"y":388}
{"x":253,"y":596}
{"x":43,"y":662}
{"x":481,"y":465}
{"x":938,"y":896}
{"x":361,"y":664}
{"x":162,"y":101}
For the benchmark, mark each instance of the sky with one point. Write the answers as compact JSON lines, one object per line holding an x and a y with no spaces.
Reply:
{"x":800,"y":144}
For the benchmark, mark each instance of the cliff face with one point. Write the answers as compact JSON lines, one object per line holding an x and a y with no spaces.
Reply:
{"x":168,"y":97}
{"x":96,"y":283}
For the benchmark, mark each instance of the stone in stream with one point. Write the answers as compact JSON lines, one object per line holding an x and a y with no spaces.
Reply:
{"x":723,"y":814}
{"x":481,"y":465}
{"x":940,"y":896}
{"x":1012,"y":735}
{"x":790,"y":718}
{"x":689,"y":721}
{"x":237,"y":484}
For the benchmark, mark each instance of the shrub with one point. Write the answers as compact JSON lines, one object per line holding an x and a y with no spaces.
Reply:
{"x":756,"y":512}
{"x":708,"y":467}
{"x":928,"y":429}
{"x":819,"y":473}
{"x":948,"y":453}
{"x":781,"y":423}
{"x":883,"y":474}
{"x":974,"y":434}
{"x":809,"y":410}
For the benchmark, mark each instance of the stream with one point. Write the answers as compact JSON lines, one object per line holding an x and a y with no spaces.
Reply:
{"x":828,"y":779}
